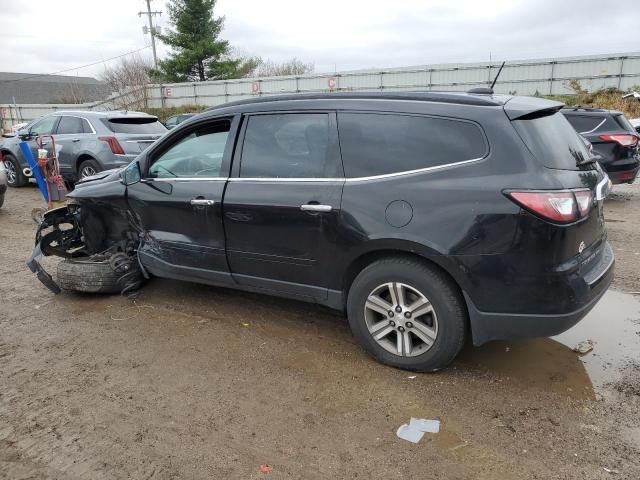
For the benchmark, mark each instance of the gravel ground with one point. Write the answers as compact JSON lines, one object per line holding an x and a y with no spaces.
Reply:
{"x":195,"y":382}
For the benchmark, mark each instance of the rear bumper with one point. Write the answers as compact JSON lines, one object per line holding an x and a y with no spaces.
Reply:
{"x":623,"y":171}
{"x":488,"y":326}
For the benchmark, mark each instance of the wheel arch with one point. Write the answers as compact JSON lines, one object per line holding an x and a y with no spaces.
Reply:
{"x":378,"y":250}
{"x":83,"y":157}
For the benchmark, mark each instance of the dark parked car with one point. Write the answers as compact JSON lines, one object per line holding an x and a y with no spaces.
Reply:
{"x":91,"y":142}
{"x":426,"y":217}
{"x":174,"y":121}
{"x":612,"y":137}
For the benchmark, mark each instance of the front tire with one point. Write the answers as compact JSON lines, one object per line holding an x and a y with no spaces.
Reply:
{"x":407,"y":314}
{"x":84,"y":274}
{"x":15,"y":177}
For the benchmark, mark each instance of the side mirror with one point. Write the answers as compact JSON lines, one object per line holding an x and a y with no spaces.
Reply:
{"x":24,"y":133}
{"x":131,"y":174}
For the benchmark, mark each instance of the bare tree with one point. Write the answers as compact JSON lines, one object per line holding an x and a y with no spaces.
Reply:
{"x":128,"y":80}
{"x":257,"y":67}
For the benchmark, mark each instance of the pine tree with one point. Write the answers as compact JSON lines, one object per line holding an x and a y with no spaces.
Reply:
{"x":198,"y":51}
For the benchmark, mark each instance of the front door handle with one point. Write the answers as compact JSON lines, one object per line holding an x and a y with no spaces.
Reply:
{"x":202,"y":202}
{"x":75,"y":139}
{"x":313,"y":207}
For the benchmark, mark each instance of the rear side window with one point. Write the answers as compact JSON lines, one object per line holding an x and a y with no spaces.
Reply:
{"x":69,"y":125}
{"x":287,"y":146}
{"x":378,"y":144}
{"x":135,"y":125}
{"x":585,"y":123}
{"x":553,"y":141}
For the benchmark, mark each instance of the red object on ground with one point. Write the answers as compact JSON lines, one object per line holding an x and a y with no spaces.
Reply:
{"x":265,"y":468}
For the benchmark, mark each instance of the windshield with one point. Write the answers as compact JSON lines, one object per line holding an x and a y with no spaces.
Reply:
{"x":553,"y":141}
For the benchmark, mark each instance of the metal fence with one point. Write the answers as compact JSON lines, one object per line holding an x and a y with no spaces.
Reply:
{"x":545,"y":77}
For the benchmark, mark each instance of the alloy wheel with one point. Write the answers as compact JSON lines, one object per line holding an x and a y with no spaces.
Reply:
{"x":87,"y":171}
{"x":401,"y":319}
{"x":12,"y":175}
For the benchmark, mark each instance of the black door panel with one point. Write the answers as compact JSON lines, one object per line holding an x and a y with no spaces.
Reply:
{"x":179,"y":203}
{"x":270,"y":236}
{"x":281,"y":216}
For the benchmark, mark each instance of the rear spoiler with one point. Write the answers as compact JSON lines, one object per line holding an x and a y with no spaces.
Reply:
{"x":522,"y":108}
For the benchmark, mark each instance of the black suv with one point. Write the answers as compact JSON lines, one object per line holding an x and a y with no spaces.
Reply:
{"x":426,"y":217}
{"x":612,"y":137}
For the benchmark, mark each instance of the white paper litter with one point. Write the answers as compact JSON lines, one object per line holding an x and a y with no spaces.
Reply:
{"x":405,"y":432}
{"x":416,"y":428}
{"x":424,"y":425}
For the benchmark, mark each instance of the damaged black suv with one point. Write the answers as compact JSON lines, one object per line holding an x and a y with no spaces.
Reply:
{"x":426,"y":217}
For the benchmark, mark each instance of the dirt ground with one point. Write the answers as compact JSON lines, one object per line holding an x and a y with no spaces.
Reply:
{"x":194,"y":382}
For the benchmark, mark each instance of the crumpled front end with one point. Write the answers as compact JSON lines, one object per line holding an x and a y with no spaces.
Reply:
{"x":94,"y":238}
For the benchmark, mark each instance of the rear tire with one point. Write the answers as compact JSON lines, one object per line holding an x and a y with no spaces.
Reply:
{"x":15,"y":177}
{"x":88,"y":168}
{"x":85,"y":275}
{"x":400,"y":303}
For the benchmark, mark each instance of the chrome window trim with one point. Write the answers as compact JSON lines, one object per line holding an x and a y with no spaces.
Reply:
{"x":597,"y":126}
{"x":359,"y":179}
{"x":186,"y":179}
{"x":316,"y":180}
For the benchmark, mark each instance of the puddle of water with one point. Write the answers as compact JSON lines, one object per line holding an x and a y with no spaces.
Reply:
{"x":614,"y":327}
{"x":545,"y":364}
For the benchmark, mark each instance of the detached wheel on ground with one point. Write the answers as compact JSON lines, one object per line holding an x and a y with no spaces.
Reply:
{"x":15,"y":177}
{"x":118,"y":274}
{"x":88,"y":168}
{"x":407,"y":314}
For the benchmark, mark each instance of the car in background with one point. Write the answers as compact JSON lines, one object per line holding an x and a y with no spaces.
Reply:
{"x":613,"y":138}
{"x":635,"y":123}
{"x":3,"y":183}
{"x":91,"y":142}
{"x":174,"y":121}
{"x":14,"y":130}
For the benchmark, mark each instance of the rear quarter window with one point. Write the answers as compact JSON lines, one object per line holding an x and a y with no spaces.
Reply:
{"x":377,"y":144}
{"x":553,"y":141}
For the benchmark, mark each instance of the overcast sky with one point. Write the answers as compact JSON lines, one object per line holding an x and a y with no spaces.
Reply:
{"x":43,"y":36}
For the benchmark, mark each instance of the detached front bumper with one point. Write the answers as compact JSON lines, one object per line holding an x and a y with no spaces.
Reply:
{"x":595,"y":281}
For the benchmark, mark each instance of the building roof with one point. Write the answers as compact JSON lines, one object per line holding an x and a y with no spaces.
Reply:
{"x":32,"y":88}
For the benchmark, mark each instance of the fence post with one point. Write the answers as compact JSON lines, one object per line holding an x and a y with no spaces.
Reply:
{"x":195,"y":93}
{"x":621,"y":72}
{"x":553,"y":65}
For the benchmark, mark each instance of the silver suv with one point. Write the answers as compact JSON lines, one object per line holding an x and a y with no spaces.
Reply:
{"x":90,"y":141}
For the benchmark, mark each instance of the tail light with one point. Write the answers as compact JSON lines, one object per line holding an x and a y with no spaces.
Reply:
{"x":114,"y":145}
{"x":624,"y":140}
{"x":562,"y":206}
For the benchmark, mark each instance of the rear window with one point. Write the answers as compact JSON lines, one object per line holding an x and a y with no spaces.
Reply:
{"x":585,"y":123}
{"x":553,"y":141}
{"x":134,"y":125}
{"x":378,"y":144}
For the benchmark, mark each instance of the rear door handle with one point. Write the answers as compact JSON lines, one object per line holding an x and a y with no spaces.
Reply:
{"x":202,"y":202}
{"x":312,"y":207}
{"x":75,"y":139}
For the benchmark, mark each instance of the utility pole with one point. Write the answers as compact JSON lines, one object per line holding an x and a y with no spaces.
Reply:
{"x":152,"y":32}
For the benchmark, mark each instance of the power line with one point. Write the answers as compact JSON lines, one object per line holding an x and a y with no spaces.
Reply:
{"x":37,"y":75}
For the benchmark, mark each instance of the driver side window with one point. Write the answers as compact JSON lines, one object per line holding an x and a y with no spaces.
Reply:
{"x":44,"y":126}
{"x":198,"y":154}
